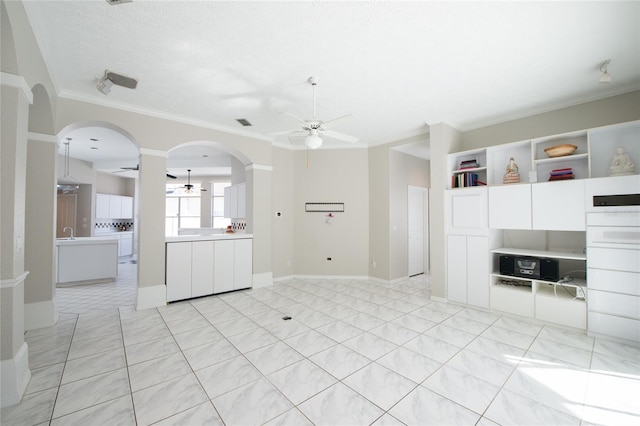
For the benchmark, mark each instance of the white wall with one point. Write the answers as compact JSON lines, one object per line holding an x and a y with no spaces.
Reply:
{"x":332,"y":176}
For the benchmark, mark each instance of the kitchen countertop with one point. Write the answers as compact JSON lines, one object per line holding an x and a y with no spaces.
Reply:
{"x":85,"y":241}
{"x":212,"y":237}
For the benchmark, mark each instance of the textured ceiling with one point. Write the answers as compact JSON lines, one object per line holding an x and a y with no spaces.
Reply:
{"x":394,"y":65}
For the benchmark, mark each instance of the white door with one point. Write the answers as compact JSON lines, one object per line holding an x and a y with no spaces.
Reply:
{"x":418,"y":254}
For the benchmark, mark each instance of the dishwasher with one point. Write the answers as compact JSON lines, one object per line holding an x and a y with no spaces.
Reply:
{"x":613,"y":266}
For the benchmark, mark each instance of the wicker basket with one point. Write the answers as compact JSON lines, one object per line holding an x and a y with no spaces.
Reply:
{"x":560,"y":150}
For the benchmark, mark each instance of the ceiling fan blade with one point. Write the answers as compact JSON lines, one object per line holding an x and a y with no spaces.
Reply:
{"x":171,"y":176}
{"x":295,"y":118}
{"x":331,"y":123}
{"x":290,"y":132}
{"x":340,"y":136}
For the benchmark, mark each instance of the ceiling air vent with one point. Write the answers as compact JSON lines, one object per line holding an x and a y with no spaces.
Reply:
{"x":114,"y":2}
{"x":244,"y":122}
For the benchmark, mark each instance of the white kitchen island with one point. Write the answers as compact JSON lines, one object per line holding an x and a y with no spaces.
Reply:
{"x":86,"y":260}
{"x":200,"y":265}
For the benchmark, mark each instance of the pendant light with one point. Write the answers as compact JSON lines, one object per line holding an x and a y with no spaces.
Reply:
{"x":188,"y":186}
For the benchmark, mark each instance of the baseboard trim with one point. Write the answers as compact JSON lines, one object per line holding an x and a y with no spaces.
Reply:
{"x":264,"y":279}
{"x":40,"y":315}
{"x":14,"y":377}
{"x":439,"y":299}
{"x":151,"y":297}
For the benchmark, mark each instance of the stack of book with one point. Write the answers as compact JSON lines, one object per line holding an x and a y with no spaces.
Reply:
{"x":561,"y":174}
{"x":469,"y":164}
{"x":462,"y":180}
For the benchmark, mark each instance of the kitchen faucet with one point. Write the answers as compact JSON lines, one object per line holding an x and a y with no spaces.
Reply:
{"x":69,"y":228}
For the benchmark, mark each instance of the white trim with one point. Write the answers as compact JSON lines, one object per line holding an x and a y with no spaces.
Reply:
{"x":259,"y":167}
{"x":283,"y":279}
{"x":151,"y":297}
{"x":17,"y":81}
{"x":14,"y":282}
{"x":439,"y":299}
{"x":40,"y":315}
{"x":14,"y":377}
{"x":66,"y":94}
{"x":264,"y":279}
{"x":154,"y":152}
{"x":42,"y":137}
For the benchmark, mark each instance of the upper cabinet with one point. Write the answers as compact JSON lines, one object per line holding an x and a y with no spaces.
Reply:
{"x":235,"y":201}
{"x":114,"y":207}
{"x":604,"y":143}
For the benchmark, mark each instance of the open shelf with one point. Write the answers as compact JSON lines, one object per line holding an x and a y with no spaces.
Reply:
{"x":540,"y":253}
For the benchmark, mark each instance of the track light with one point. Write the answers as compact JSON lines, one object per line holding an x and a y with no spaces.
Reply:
{"x":313,"y":141}
{"x":104,"y":85}
{"x":605,"y":77}
{"x":109,"y":79}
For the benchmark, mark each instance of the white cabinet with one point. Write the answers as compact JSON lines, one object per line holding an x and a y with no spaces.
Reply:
{"x":200,"y":268}
{"x":126,"y":210}
{"x":613,"y":260}
{"x":510,"y":206}
{"x":178,"y":273}
{"x":241,"y":202}
{"x":114,"y":207}
{"x":189,"y":269}
{"x":233,"y":269}
{"x":468,"y":269}
{"x":102,"y":206}
{"x":126,"y":244}
{"x":559,"y":205}
{"x":235,"y":201}
{"x":467,"y":210}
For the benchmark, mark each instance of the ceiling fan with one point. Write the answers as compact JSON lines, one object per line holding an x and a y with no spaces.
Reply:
{"x":188,"y":187}
{"x":137,"y":168}
{"x":315,"y":128}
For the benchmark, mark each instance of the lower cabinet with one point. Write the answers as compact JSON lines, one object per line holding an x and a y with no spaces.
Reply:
{"x":232,"y":265}
{"x":126,"y":245}
{"x":468,"y":270}
{"x":200,"y":268}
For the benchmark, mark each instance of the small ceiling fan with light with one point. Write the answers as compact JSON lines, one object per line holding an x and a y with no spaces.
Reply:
{"x":314,"y":129}
{"x":188,"y":187}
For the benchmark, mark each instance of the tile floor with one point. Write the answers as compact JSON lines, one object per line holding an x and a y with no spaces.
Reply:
{"x":355,"y":352}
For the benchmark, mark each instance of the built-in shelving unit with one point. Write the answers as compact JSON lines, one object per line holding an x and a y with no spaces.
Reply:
{"x":534,"y":218}
{"x":592,"y":158}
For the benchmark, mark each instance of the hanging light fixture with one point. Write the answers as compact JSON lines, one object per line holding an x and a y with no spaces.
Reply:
{"x":66,"y":157}
{"x":188,"y":187}
{"x":605,"y":77}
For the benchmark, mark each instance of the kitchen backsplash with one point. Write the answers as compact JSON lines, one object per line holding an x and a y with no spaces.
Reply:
{"x":239,"y":225}
{"x":114,"y":225}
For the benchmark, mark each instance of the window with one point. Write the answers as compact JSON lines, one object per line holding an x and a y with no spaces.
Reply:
{"x":217,"y":205}
{"x":182,"y":208}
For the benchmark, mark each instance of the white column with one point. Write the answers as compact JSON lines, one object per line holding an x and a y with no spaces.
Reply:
{"x":259,"y":222}
{"x":15,"y":98}
{"x":152,"y":290}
